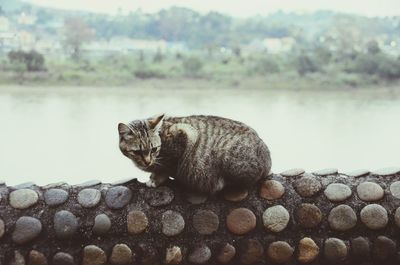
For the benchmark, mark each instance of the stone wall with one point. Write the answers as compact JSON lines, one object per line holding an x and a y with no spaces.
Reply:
{"x":289,"y":218}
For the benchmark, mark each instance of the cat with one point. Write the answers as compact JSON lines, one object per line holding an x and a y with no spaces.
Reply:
{"x":203,"y":153}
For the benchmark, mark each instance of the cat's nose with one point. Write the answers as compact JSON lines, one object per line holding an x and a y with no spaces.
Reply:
{"x":147,"y":160}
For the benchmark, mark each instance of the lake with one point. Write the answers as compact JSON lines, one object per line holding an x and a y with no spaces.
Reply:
{"x":70,"y":134}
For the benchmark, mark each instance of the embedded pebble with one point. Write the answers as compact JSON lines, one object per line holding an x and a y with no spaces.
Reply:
{"x":387,"y":171}
{"x":326,"y":172}
{"x":251,"y":252}
{"x":337,"y":192}
{"x":137,"y":222}
{"x":89,"y":183}
{"x":240,"y":221}
{"x":195,"y":198}
{"x":200,"y":255}
{"x":374,"y":216}
{"x":160,"y":196}
{"x":308,"y":250}
{"x":93,"y":255}
{"x":121,"y":254}
{"x":55,"y":197}
{"x":173,"y":255}
{"x":205,"y":222}
{"x":235,"y":195}
{"x":357,"y":173}
{"x":89,"y":198}
{"x":102,"y":224}
{"x":384,"y":249}
{"x":26,"y":229}
{"x":335,"y":250}
{"x":226,"y":254}
{"x":2,"y":228}
{"x":271,"y":190}
{"x":307,"y":186}
{"x":24,"y":185}
{"x":276,"y":218}
{"x":280,"y":252}
{"x":342,"y":218}
{"x":37,"y":258}
{"x":369,"y":191}
{"x":395,"y":189}
{"x":308,"y":215}
{"x":117,"y":197}
{"x":62,"y":258}
{"x":18,"y":259}
{"x":23,"y":198}
{"x":293,"y":172}
{"x":396,"y":218}
{"x":360,"y":248}
{"x":65,"y":224}
{"x":172,"y":223}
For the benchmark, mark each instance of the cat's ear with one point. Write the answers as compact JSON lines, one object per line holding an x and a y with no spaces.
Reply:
{"x":155,"y":123}
{"x":123,"y":129}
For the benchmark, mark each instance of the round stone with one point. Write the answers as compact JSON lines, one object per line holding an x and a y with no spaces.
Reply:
{"x":308,"y":250}
{"x":200,"y":255}
{"x":2,"y":228}
{"x":89,"y":198}
{"x":102,"y":224}
{"x":271,"y":190}
{"x":62,"y":258}
{"x":93,"y":255}
{"x":37,"y":258}
{"x":240,"y":221}
{"x":117,"y":197}
{"x":172,"y":223}
{"x":369,"y":191}
{"x":18,"y":259}
{"x":388,"y":171}
{"x":137,"y":222}
{"x":395,"y":189}
{"x":251,"y":252}
{"x":26,"y":229}
{"x":55,"y":197}
{"x":337,"y":192}
{"x":280,"y":252}
{"x":235,"y":195}
{"x":23,"y":198}
{"x":308,"y":215}
{"x":384,"y":249}
{"x":358,"y":173}
{"x":65,"y":224}
{"x":335,"y":250}
{"x":226,"y":254}
{"x":396,"y":218}
{"x":374,"y":216}
{"x":326,"y":172}
{"x":195,"y":198}
{"x":173,"y":255}
{"x":307,"y":186}
{"x":121,"y":254}
{"x":293,"y":172}
{"x":360,"y":248}
{"x":342,"y":218}
{"x":276,"y":218}
{"x":205,"y":222}
{"x":160,"y":196}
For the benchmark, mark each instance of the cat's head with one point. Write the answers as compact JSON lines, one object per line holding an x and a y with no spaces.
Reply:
{"x":140,"y":141}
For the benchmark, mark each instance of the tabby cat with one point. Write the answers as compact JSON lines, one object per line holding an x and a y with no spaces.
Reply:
{"x":203,"y":153}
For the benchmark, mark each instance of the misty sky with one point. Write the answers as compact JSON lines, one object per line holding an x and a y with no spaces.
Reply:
{"x":241,"y":8}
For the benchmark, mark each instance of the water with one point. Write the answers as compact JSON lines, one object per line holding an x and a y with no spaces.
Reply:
{"x":70,"y":134}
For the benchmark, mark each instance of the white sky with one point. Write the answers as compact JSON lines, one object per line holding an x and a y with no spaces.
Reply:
{"x":238,"y":8}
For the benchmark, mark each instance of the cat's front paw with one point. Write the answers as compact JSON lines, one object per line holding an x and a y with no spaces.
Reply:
{"x":151,"y":184}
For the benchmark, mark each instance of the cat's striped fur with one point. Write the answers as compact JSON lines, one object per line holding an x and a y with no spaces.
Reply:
{"x":204,"y":153}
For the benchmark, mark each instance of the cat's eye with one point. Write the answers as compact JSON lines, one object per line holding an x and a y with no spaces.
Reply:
{"x":136,"y":152}
{"x":154,"y":149}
